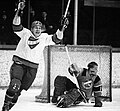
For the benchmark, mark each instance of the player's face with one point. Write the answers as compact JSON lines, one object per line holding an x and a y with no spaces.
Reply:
{"x":94,"y":70}
{"x":36,"y":30}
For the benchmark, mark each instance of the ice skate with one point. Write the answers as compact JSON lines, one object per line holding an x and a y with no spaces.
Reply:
{"x":5,"y":107}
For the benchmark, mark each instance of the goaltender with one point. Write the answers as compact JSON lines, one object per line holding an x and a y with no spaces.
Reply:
{"x":66,"y":93}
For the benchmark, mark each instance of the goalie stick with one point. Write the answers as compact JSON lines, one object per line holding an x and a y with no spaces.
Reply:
{"x":75,"y":79}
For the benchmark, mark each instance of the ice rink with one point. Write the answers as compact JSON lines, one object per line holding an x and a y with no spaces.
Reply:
{"x":27,"y":102}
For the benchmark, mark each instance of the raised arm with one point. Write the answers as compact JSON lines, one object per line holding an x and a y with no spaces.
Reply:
{"x":58,"y":36}
{"x":17,"y":18}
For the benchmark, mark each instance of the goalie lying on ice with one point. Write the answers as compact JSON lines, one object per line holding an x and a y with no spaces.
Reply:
{"x":66,"y":93}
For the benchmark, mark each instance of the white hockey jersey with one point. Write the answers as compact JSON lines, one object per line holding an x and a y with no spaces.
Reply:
{"x":30,"y":48}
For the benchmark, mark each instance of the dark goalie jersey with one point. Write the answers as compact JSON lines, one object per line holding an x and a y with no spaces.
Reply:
{"x":89,"y":84}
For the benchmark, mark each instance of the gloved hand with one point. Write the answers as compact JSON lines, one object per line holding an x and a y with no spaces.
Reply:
{"x":74,"y":69}
{"x":21,"y":4}
{"x":20,"y":7}
{"x":64,"y":22}
{"x":98,"y":102}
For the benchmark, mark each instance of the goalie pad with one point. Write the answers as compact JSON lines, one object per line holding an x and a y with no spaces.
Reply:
{"x":69,"y":98}
{"x":60,"y":87}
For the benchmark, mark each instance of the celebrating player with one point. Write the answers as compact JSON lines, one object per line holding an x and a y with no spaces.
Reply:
{"x":27,"y":55}
{"x":66,"y":93}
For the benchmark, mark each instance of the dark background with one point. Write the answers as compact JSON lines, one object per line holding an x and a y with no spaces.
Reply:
{"x":98,"y":25}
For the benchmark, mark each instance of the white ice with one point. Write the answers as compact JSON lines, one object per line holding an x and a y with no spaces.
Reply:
{"x":27,"y":102}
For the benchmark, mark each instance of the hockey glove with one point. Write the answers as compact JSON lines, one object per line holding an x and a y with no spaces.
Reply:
{"x":74,"y":69}
{"x":21,"y":6}
{"x":98,"y":102}
{"x":64,"y":22}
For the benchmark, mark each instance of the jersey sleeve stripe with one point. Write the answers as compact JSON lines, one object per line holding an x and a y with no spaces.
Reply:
{"x":55,"y":39}
{"x":17,"y":28}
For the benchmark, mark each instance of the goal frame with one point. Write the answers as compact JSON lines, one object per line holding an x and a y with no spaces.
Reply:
{"x":89,"y":47}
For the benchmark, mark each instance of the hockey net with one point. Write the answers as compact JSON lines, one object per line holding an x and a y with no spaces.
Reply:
{"x":57,"y":63}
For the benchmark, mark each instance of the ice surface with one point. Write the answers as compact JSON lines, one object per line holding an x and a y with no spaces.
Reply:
{"x":27,"y":102}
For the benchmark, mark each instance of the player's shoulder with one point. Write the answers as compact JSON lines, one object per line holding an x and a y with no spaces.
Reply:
{"x":25,"y":30}
{"x":44,"y":34}
{"x":97,"y":79}
{"x":83,"y":71}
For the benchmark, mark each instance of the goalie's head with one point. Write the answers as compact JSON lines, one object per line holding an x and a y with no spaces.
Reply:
{"x":92,"y":68}
{"x":36,"y":28}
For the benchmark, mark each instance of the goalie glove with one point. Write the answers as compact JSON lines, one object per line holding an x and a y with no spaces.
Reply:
{"x":64,"y":22}
{"x":74,"y":69}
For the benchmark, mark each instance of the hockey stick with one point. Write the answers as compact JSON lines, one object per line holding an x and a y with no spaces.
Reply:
{"x":75,"y":79}
{"x":66,"y":11}
{"x":64,"y":16}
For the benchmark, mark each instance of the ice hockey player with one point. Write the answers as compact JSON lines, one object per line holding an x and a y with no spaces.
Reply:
{"x":27,"y":55}
{"x":66,"y":93}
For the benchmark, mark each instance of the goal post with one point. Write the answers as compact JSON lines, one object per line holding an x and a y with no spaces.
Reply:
{"x":57,"y":63}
